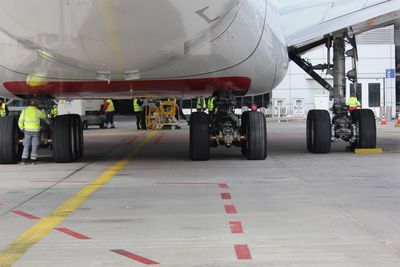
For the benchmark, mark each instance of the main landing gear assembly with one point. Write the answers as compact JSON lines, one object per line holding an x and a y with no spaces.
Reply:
{"x":64,"y":135}
{"x":357,"y":127}
{"x":225,"y":128}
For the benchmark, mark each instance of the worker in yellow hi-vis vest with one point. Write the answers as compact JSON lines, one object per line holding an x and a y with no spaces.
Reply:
{"x":3,"y":108}
{"x":139,"y":112}
{"x":29,"y":123}
{"x":109,"y":110}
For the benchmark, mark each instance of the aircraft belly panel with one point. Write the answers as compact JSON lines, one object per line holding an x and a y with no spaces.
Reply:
{"x":115,"y":36}
{"x":219,"y":45}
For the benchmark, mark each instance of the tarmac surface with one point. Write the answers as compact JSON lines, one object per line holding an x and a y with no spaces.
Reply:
{"x":136,"y":199}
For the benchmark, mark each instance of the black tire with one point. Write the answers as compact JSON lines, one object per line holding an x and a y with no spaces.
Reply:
{"x":255,"y":146}
{"x":102,"y":126}
{"x":319,"y":131}
{"x":78,"y":135}
{"x":63,"y":138}
{"x":199,"y":137}
{"x":366,"y":124}
{"x":245,"y":116}
{"x":10,"y":149}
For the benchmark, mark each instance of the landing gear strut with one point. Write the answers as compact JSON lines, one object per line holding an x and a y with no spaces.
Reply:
{"x":225,"y":128}
{"x":357,"y":127}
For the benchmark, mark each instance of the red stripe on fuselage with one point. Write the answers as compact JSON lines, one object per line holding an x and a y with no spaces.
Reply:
{"x":187,"y":87}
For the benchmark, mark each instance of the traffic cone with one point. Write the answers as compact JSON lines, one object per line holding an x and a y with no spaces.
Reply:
{"x":398,"y":120}
{"x":383,"y":121}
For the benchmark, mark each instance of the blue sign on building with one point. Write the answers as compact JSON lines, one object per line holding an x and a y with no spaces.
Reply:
{"x":390,"y":73}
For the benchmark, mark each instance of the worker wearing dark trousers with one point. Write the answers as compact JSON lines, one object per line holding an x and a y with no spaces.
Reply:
{"x":211,"y":106}
{"x":29,"y":123}
{"x":109,"y":110}
{"x":138,"y":109}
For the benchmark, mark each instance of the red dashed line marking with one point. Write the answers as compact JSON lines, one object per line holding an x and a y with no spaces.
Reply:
{"x":26,"y":215}
{"x":63,"y":230}
{"x":188,"y":183}
{"x":230,"y":209}
{"x":242,"y":252}
{"x":236,"y":227}
{"x":55,"y":181}
{"x":134,"y":257}
{"x":158,"y":140}
{"x":72,"y":233}
{"x":223,"y":185}
{"x":133,"y":140}
{"x":226,"y":196}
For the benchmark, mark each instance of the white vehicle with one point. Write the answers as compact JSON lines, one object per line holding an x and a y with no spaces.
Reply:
{"x":88,"y":110}
{"x":88,"y":49}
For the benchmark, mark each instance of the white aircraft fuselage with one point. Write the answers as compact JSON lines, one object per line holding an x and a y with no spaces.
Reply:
{"x":152,"y":48}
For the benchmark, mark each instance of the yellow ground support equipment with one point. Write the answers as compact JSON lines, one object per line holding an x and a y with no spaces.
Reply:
{"x":161,"y":114}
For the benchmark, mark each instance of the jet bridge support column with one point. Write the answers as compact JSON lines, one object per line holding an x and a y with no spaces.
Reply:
{"x":339,"y":72}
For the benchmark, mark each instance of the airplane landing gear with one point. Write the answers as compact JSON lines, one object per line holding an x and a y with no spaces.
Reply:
{"x":357,"y":128}
{"x":318,"y":131}
{"x":254,"y":128}
{"x":10,"y":136}
{"x":365,"y":129}
{"x":67,"y":138}
{"x":199,"y":136}
{"x":225,"y":128}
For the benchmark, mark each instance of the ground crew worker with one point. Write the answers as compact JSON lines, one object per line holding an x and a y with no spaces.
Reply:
{"x":109,"y":110}
{"x":29,"y":123}
{"x":353,"y":102}
{"x":53,"y":112}
{"x":201,"y":104}
{"x":3,"y":108}
{"x":139,"y":112}
{"x":211,"y":106}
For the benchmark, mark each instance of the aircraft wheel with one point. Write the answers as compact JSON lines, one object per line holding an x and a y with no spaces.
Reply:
{"x":318,"y":131}
{"x":63,"y":139}
{"x":78,"y":135}
{"x":10,"y":149}
{"x":366,"y":125}
{"x":244,"y":119}
{"x":199,"y":137}
{"x":255,"y":146}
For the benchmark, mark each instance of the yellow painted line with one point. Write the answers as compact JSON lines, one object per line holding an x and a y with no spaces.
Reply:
{"x":366,"y":151}
{"x":16,"y":249}
{"x":111,"y":32}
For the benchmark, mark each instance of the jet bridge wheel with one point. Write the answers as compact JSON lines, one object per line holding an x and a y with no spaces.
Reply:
{"x":366,"y":125}
{"x":199,"y":137}
{"x":64,"y":139}
{"x":255,"y":129}
{"x":10,"y":148}
{"x":318,"y":131}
